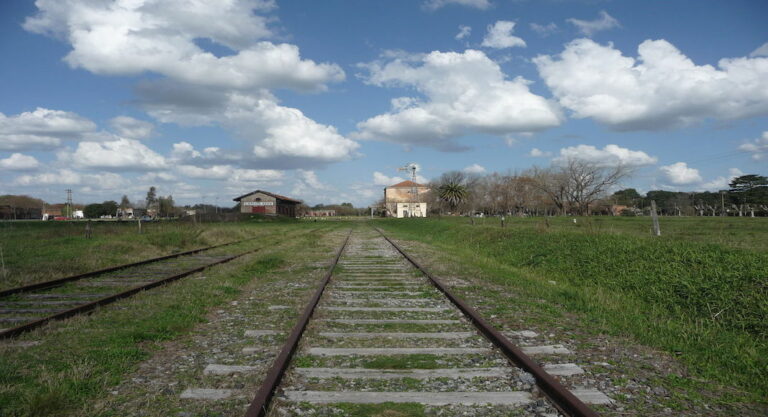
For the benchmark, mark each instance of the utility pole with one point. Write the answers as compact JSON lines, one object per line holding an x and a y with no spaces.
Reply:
{"x":414,"y":190}
{"x":70,"y":209}
{"x":655,"y":218}
{"x":722,"y":204}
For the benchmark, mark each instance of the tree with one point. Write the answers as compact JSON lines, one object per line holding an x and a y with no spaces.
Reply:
{"x":626,"y":197}
{"x":109,"y":208}
{"x":152,"y":198}
{"x":749,"y":189}
{"x":93,"y":211}
{"x":166,"y":206}
{"x":588,"y":182}
{"x":125,"y":202}
{"x":453,"y":194}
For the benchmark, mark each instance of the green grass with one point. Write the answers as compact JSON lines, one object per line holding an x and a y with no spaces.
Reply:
{"x":40,"y":251}
{"x":80,"y":358}
{"x":706,"y":303}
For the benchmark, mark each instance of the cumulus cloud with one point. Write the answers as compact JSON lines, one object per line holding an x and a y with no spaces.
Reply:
{"x":131,"y":37}
{"x":474,"y":169}
{"x":680,"y":174}
{"x":465,"y":92}
{"x":464,"y":31}
{"x":101,"y":181}
{"x":477,"y":4}
{"x":381,"y":179}
{"x":500,"y":36}
{"x":119,"y":155}
{"x":721,"y":183}
{"x":610,"y":155}
{"x":41,"y":129}
{"x":758,"y":147}
{"x":590,"y":27}
{"x":660,"y":89}
{"x":131,"y":128}
{"x":762,"y":50}
{"x":19,"y":162}
{"x":230,"y":173}
{"x":278,"y":135}
{"x":538,"y":153}
{"x":544,"y":30}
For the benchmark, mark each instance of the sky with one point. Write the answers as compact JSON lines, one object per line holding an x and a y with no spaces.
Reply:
{"x":325,"y":100}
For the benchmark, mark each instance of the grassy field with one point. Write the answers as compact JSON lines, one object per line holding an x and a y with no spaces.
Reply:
{"x":699,"y":292}
{"x":40,"y":251}
{"x":99,"y":350}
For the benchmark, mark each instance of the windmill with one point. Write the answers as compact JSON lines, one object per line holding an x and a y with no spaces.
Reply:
{"x":412,"y":167}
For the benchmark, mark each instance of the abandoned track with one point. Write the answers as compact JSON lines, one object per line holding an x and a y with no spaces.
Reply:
{"x":25,"y":308}
{"x":385,"y":331}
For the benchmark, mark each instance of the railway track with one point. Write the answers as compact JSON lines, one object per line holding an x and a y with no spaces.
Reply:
{"x":381,"y":330}
{"x":28,"y":307}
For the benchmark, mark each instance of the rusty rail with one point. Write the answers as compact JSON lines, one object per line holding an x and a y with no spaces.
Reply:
{"x":260,"y":403}
{"x":61,"y":281}
{"x":15,"y":331}
{"x":563,"y":399}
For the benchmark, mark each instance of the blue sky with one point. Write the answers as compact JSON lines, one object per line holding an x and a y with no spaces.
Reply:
{"x":325,"y":100}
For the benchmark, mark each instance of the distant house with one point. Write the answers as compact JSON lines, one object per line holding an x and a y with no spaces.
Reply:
{"x":320,"y":213}
{"x":406,"y":199}
{"x":125,"y":213}
{"x":270,"y":204}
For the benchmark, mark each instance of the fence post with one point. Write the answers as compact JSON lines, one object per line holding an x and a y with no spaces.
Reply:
{"x":655,"y":217}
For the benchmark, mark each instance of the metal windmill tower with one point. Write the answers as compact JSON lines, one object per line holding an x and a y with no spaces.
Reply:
{"x":412,"y":167}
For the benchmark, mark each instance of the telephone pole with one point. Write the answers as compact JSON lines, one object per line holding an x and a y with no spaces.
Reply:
{"x":70,"y":208}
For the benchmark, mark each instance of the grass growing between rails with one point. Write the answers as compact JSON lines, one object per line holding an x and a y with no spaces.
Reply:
{"x":706,"y":303}
{"x":40,"y":251}
{"x":79,"y":359}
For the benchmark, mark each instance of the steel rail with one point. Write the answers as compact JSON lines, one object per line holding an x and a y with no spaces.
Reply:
{"x":61,"y":281}
{"x":563,"y":399}
{"x":15,"y":331}
{"x":261,"y":401}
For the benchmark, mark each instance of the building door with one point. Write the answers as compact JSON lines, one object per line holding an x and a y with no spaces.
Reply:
{"x":259,"y":209}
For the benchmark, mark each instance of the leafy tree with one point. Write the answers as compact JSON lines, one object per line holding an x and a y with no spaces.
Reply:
{"x":453,"y":193}
{"x":626,"y":197}
{"x":151,"y":198}
{"x":109,"y":208}
{"x":93,"y":211}
{"x":125,"y":202}
{"x":166,"y":206}
{"x":750,"y":188}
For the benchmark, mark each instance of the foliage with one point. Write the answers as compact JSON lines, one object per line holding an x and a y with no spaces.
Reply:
{"x":151,"y":199}
{"x":95,"y":211}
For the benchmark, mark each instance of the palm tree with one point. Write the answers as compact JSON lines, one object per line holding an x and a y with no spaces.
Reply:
{"x":452,"y":193}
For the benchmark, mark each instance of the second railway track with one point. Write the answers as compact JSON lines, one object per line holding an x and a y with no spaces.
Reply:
{"x":384,"y":331}
{"x":25,"y":308}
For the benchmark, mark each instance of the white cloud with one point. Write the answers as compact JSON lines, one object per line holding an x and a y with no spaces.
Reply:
{"x":309,"y":187}
{"x":157,"y":177}
{"x":19,"y":162}
{"x":465,"y":92}
{"x":279,"y":135}
{"x":464,"y":31}
{"x":721,"y":183}
{"x":131,"y":128}
{"x":661,"y":89}
{"x":41,"y":129}
{"x":500,"y":36}
{"x":477,"y":4}
{"x":610,"y":155}
{"x":762,"y":50}
{"x":538,"y":153}
{"x":679,"y":174}
{"x":127,"y":37}
{"x":121,"y":155}
{"x":100,"y":181}
{"x":474,"y":169}
{"x":590,"y":27}
{"x":230,"y":174}
{"x":758,"y":147}
{"x":381,"y":179}
{"x":544,"y":30}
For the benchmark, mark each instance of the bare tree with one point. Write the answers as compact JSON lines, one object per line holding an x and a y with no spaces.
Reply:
{"x":554,"y":184}
{"x":588,"y":182}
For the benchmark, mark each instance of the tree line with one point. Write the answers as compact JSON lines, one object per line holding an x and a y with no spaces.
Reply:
{"x":578,"y":187}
